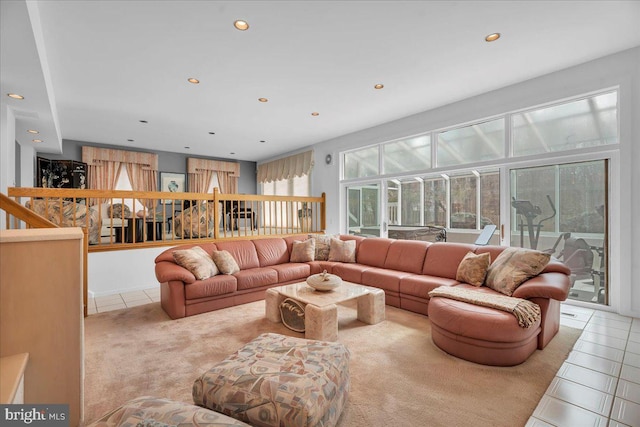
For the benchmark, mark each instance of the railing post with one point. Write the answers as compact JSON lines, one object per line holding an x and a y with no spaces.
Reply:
{"x":323,"y":212}
{"x":216,"y":214}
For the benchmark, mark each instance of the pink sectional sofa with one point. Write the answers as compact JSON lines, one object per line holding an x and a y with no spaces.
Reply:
{"x":406,"y":270}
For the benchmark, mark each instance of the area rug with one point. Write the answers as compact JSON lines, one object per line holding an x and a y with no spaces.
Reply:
{"x":398,"y":376}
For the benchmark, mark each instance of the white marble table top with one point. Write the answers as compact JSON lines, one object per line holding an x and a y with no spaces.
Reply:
{"x":306,"y":294}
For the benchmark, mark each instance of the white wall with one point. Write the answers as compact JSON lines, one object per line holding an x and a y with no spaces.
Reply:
{"x":114,"y":272}
{"x":622,"y":69}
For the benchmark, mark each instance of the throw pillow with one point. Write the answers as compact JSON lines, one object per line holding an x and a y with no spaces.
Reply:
{"x":197,"y":261}
{"x":513,"y":266}
{"x":303,"y":251}
{"x":473,"y":268}
{"x":117,"y":210}
{"x":342,"y":251}
{"x":225,"y":262}
{"x":323,"y":246}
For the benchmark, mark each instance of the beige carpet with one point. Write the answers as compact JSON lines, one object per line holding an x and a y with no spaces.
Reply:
{"x":398,"y":376}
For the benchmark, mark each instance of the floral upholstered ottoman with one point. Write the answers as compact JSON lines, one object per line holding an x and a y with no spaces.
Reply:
{"x":155,"y":412}
{"x":277,"y":380}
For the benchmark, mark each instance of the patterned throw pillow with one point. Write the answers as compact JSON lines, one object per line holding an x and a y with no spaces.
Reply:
{"x":473,"y":268}
{"x":323,"y":245}
{"x":513,"y":266}
{"x":197,"y":261}
{"x":225,"y":262}
{"x":342,"y":251}
{"x":303,"y":251}
{"x":116,"y":211}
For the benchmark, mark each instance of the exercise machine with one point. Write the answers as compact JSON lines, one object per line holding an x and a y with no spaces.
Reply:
{"x":525,"y":209}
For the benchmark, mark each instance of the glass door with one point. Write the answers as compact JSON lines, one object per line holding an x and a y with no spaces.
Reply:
{"x":363,"y":210}
{"x":562,"y":209}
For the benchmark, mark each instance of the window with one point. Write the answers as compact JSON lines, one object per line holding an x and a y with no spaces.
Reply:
{"x":406,"y":155}
{"x":579,"y":124}
{"x":475,"y":143}
{"x":361,"y":163}
{"x":435,"y":202}
{"x":296,"y":186}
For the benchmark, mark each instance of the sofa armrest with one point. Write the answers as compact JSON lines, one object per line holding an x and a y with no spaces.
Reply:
{"x":546,"y":285}
{"x":167,"y":271}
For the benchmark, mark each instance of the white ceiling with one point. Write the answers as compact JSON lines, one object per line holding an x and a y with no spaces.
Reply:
{"x":105,"y":65}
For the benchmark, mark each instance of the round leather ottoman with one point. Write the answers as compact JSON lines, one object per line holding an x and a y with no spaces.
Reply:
{"x":480,"y":334}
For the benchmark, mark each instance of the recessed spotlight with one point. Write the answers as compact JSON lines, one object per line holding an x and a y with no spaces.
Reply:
{"x":262,"y":141}
{"x":232,"y":152}
{"x":187,"y":148}
{"x":193,"y":80}
{"x":378,"y":86}
{"x":32,"y":131}
{"x":241,"y":25}
{"x":315,"y":113}
{"x":263,"y":99}
{"x":15,"y":96}
{"x":37,"y":140}
{"x":143,"y":121}
{"x":212,"y":133}
{"x":492,"y":37}
{"x":130,"y":140}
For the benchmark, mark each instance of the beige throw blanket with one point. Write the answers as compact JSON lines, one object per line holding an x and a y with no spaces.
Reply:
{"x":525,"y":311}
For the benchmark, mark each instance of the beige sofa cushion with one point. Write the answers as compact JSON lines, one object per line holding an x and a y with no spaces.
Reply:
{"x":342,"y":250}
{"x":225,"y":262}
{"x":197,"y":261}
{"x":303,"y":251}
{"x":473,"y":268}
{"x":513,"y":266}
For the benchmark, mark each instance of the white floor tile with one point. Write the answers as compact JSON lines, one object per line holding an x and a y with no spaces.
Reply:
{"x":588,"y":377}
{"x":613,"y":316}
{"x":563,"y":414}
{"x":108,"y":298}
{"x":632,"y":359}
{"x":575,"y":309}
{"x":596,"y":363}
{"x":580,"y":395}
{"x":599,"y":350}
{"x":618,"y":343}
{"x":111,"y":308}
{"x":568,"y":314}
{"x":634,"y":336}
{"x":610,"y":323}
{"x":610,"y":332}
{"x":534,"y":422}
{"x":630,"y":373}
{"x":633,"y":347}
{"x":136,"y":298}
{"x":628,"y":391}
{"x":572,"y":323}
{"x":138,"y":302}
{"x":626,"y":412}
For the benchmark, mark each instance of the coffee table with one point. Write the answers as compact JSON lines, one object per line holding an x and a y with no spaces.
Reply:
{"x":321,"y":312}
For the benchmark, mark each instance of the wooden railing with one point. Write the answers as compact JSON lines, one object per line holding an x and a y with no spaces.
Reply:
{"x":115,"y":220}
{"x":16,"y":214}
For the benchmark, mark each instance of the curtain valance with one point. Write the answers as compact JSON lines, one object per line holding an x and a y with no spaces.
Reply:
{"x":198,"y":166}
{"x":94,"y":156}
{"x":286,"y":168}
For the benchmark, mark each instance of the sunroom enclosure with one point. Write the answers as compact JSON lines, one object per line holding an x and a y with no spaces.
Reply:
{"x":541,"y":175}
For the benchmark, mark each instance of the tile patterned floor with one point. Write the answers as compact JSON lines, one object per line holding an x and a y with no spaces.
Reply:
{"x":598,"y":385}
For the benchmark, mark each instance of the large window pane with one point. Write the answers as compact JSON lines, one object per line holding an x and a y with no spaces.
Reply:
{"x":562,"y":210}
{"x":410,"y":197}
{"x":435,"y":202}
{"x":361,"y":163}
{"x":363,"y":202}
{"x":579,"y":124}
{"x":490,"y":197}
{"x":476,"y":143}
{"x":463,"y":202}
{"x":407,"y":155}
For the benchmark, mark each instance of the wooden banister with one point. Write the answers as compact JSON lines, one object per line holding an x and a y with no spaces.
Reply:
{"x":32,"y":219}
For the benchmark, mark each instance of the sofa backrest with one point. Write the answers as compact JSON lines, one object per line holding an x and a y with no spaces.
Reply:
{"x":373,"y":251}
{"x":168,"y":254}
{"x":443,"y":258}
{"x":494,"y":251}
{"x":554,"y":265}
{"x":243,"y":251}
{"x":271,"y":251}
{"x":406,"y":255}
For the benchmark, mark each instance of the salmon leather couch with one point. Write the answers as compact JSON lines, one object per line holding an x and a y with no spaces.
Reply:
{"x":407,"y":271}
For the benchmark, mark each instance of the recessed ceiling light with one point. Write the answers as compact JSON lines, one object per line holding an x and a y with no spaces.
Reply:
{"x":263,"y":99}
{"x":378,"y":86}
{"x":32,"y":131}
{"x":492,"y":37}
{"x":143,"y":121}
{"x":130,"y":140}
{"x":212,"y":133}
{"x":241,"y":25}
{"x":193,"y":80}
{"x":262,"y":141}
{"x":187,"y":147}
{"x":15,"y":96}
{"x":37,"y":140}
{"x":232,"y":152}
{"x":315,"y":113}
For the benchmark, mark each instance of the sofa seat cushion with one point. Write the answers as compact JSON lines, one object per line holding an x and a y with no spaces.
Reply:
{"x":388,"y":280}
{"x":153,"y":411}
{"x":350,"y":272}
{"x":419,"y":285}
{"x":292,"y":271}
{"x":276,"y":380}
{"x":211,"y":287}
{"x":256,"y":277}
{"x":320,"y":266}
